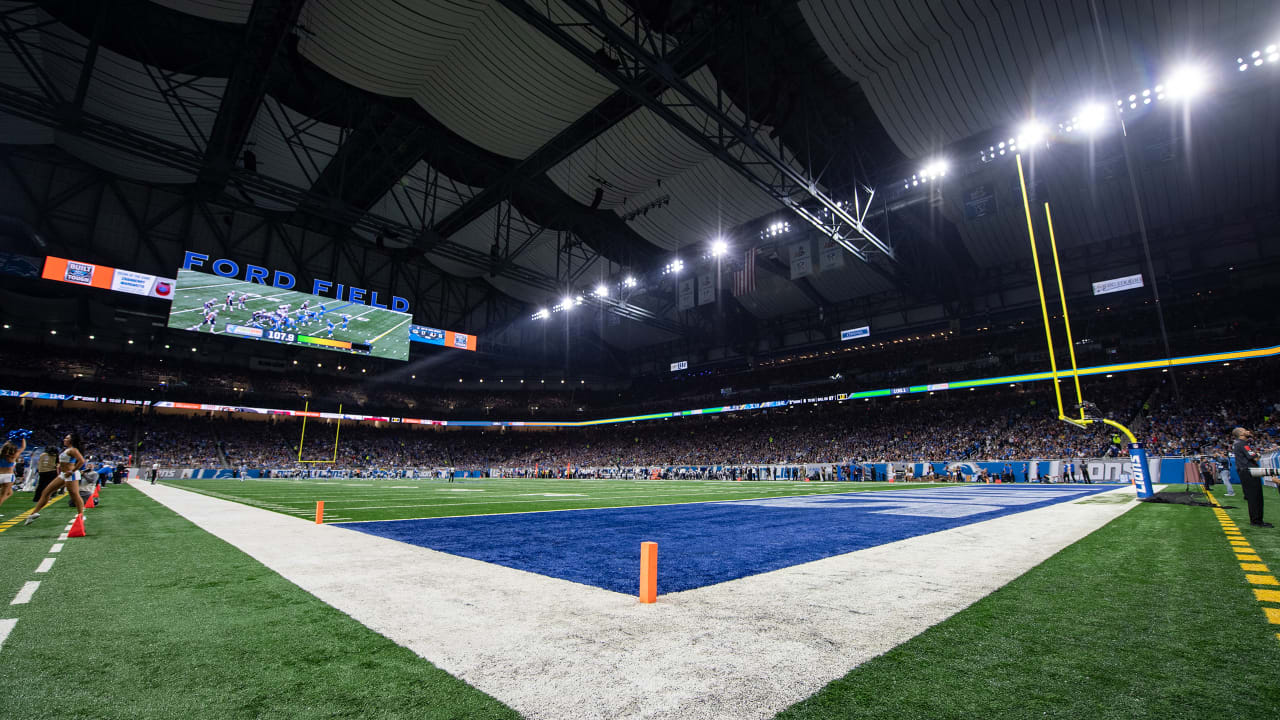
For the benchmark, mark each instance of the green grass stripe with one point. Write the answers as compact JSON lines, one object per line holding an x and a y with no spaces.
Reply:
{"x":150,"y":617}
{"x":1149,"y":617}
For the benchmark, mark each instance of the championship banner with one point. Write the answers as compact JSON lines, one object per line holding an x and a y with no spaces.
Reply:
{"x":831,"y":257}
{"x":706,"y":288}
{"x":686,"y":294}
{"x":801,"y":260}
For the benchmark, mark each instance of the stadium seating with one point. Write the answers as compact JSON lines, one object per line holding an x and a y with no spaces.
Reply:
{"x":987,"y":424}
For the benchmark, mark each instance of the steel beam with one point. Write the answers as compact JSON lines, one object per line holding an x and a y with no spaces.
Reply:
{"x":734,"y":140}
{"x":265,"y":35}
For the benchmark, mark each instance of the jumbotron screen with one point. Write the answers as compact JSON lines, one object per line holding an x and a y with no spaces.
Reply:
{"x":222,"y":306}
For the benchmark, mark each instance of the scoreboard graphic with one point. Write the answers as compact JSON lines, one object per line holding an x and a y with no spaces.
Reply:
{"x":223,"y":306}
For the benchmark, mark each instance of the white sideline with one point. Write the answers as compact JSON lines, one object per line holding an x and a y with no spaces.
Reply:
{"x":554,"y":649}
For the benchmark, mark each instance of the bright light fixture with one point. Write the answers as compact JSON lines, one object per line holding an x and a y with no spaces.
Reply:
{"x":719,"y":247}
{"x":566,"y":303}
{"x":1187,"y":82}
{"x":1091,"y":118}
{"x":629,"y":282}
{"x":602,"y":290}
{"x":936,"y":168}
{"x":1031,"y":133}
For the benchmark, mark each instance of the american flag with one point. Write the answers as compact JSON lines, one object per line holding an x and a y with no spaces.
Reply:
{"x":744,"y":280}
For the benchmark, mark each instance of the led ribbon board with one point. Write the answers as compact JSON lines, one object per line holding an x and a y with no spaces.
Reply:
{"x":1255,"y":353}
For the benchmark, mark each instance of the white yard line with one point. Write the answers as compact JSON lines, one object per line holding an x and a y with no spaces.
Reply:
{"x":741,"y":649}
{"x":6,"y":626}
{"x":24,"y":595}
{"x":57,"y":548}
{"x":45,"y":565}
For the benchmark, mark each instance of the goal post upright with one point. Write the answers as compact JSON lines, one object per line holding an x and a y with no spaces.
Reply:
{"x":1139,"y":467}
{"x":306,"y":412}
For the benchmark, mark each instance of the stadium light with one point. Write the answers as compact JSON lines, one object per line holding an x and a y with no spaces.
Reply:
{"x":629,"y":282}
{"x":935,"y":169}
{"x":602,"y":290}
{"x":542,"y":314}
{"x":91,"y":337}
{"x":53,"y":332}
{"x":719,"y":247}
{"x":1090,"y":118}
{"x":1032,"y":132}
{"x":1187,"y":82}
{"x":130,"y":342}
{"x":566,"y":303}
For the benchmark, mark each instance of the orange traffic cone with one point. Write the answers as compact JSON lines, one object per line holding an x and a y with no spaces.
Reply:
{"x":95,"y":492}
{"x":89,"y":503}
{"x":77,"y":527}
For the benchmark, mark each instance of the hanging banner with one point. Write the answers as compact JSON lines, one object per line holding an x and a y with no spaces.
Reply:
{"x":686,"y":294}
{"x":801,"y":260}
{"x":980,"y":201}
{"x":855,"y":333}
{"x":1128,"y":282}
{"x":706,"y":288}
{"x":831,"y":257}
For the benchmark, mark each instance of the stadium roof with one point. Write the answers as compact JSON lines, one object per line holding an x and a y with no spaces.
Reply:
{"x":464,"y":128}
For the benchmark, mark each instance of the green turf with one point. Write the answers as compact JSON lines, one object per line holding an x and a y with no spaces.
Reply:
{"x":347,"y":499}
{"x":150,"y":617}
{"x":1149,"y":617}
{"x":387,"y":331}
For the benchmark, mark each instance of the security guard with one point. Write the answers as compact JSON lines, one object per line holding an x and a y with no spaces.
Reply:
{"x":1247,"y":457}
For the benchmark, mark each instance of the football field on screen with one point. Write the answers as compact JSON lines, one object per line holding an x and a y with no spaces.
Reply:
{"x":386,"y":331}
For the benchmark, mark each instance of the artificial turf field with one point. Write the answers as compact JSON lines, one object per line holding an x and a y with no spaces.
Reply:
{"x":364,"y":500}
{"x":149,"y":617}
{"x":386,"y":331}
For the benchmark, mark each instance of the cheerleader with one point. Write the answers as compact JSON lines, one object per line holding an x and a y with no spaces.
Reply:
{"x":9,"y":454}
{"x":70,"y":461}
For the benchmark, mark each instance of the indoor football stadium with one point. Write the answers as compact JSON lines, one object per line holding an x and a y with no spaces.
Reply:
{"x":639,"y":359}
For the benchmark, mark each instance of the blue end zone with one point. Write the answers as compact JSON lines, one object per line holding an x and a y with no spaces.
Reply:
{"x":707,"y":543}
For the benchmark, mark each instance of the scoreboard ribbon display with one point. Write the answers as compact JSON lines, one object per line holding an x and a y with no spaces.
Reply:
{"x":105,"y":277}
{"x":445,"y":338}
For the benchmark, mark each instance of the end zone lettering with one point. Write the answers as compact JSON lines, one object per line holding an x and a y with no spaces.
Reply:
{"x":286,"y":281}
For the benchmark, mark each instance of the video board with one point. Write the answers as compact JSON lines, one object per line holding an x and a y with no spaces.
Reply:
{"x":217,"y":305}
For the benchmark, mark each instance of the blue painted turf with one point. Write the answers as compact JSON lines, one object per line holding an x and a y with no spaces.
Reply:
{"x":707,"y":543}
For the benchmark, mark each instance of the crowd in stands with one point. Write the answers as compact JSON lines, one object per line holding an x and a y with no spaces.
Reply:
{"x":981,"y":424}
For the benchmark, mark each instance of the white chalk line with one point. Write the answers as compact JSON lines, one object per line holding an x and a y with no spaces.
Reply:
{"x":24,"y":594}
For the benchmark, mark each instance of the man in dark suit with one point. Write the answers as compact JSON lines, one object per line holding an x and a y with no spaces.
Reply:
{"x":1246,"y":458}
